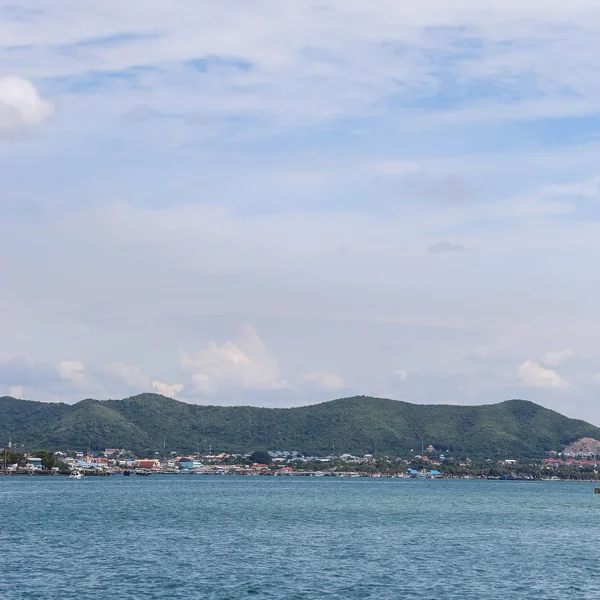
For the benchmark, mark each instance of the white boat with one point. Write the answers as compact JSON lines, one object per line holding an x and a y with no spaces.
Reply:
{"x":75,"y":475}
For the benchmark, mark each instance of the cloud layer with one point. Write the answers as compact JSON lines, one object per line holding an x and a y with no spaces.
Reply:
{"x":268,"y":204}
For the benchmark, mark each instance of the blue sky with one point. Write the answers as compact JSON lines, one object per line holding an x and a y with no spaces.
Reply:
{"x":256,"y":202}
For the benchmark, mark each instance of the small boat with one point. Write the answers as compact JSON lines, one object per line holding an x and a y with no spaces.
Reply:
{"x":75,"y":475}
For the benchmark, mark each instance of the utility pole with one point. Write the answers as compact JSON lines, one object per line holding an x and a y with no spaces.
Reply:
{"x":333,"y":454}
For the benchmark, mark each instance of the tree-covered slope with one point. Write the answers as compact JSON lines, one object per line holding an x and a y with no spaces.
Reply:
{"x":356,"y":425}
{"x":21,"y":420}
{"x":92,"y":424}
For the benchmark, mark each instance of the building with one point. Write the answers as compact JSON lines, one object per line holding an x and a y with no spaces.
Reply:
{"x":186,"y":463}
{"x":148,"y":463}
{"x":34,"y":462}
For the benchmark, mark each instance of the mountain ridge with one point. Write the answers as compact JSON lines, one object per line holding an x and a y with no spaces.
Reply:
{"x":358,"y":425}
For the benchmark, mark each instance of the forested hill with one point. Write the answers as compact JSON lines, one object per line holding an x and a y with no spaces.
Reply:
{"x":357,"y":425}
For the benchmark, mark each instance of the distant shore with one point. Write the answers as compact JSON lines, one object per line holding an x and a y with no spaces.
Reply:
{"x":338,"y":475}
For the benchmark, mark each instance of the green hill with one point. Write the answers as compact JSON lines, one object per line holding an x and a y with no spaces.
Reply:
{"x":358,"y":425}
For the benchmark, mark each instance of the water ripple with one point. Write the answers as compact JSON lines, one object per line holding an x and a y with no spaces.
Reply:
{"x":234,"y":537}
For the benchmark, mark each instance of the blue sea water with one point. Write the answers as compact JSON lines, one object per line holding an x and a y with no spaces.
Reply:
{"x":187,"y":537}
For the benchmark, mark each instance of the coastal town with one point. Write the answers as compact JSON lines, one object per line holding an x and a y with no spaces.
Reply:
{"x":575,"y":463}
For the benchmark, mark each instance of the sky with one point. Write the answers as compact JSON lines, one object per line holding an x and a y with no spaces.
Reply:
{"x":281,"y":203}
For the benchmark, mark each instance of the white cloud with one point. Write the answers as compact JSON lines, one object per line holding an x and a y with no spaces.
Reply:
{"x":324,"y":379}
{"x":244,"y":362}
{"x":557,"y":358}
{"x":169,"y":390}
{"x":21,"y":106}
{"x":130,"y":374}
{"x":532,"y":374}
{"x":72,"y":370}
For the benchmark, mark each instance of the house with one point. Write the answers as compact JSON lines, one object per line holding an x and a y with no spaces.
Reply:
{"x":88,"y":464}
{"x":34,"y":463}
{"x":148,"y":463}
{"x":190,"y":464}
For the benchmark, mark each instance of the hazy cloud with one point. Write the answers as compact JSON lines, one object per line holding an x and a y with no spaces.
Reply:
{"x":532,"y":374}
{"x":557,"y":358}
{"x":72,"y":370}
{"x":450,"y":189}
{"x":16,"y":391}
{"x":400,"y":375}
{"x":169,"y":390}
{"x":131,"y":374}
{"x":445,"y":246}
{"x":20,"y":372}
{"x":324,"y":380}
{"x":480,"y":354}
{"x":244,"y":361}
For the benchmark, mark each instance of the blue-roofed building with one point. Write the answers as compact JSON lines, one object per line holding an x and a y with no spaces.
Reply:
{"x":35,"y":462}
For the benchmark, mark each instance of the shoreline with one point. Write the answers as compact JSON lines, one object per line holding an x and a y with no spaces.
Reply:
{"x":315,"y":474}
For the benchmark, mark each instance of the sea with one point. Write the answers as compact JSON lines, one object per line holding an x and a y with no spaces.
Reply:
{"x":231,"y":537}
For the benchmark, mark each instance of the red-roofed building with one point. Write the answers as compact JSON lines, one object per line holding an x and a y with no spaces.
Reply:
{"x":148,"y":463}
